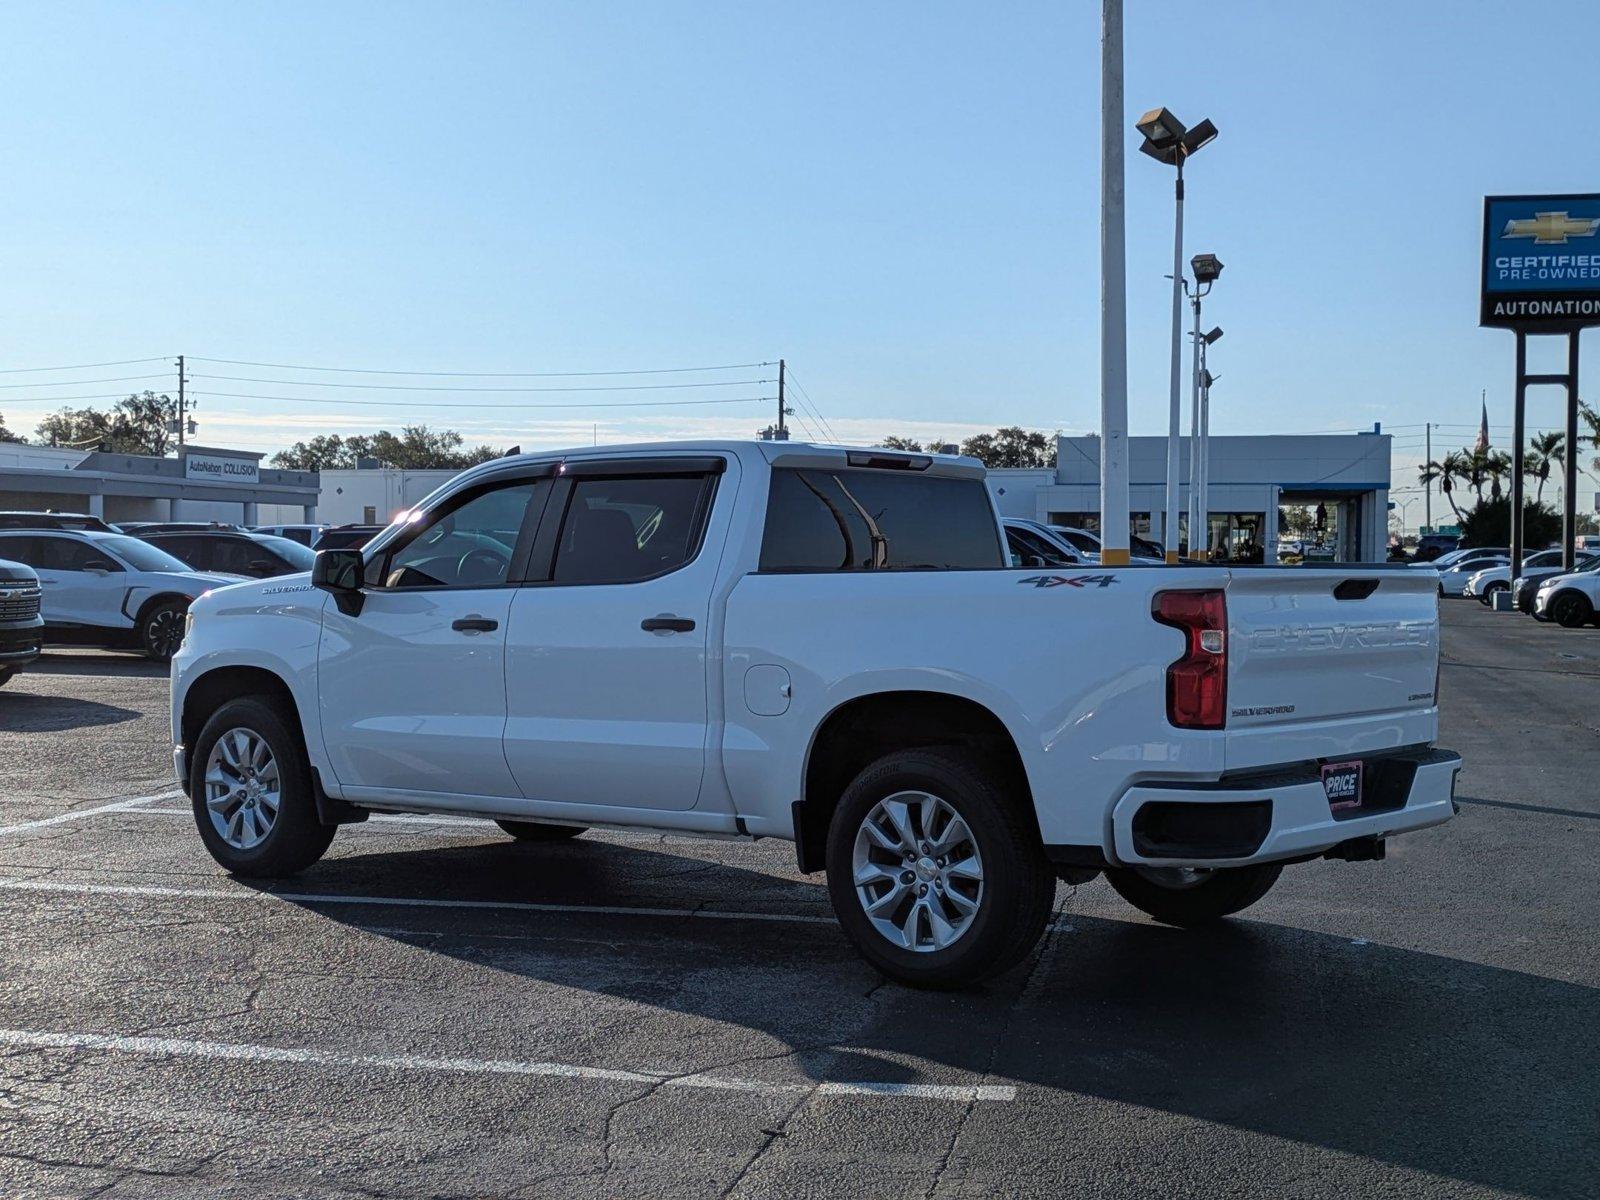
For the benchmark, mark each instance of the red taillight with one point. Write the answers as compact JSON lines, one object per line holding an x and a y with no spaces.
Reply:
{"x":1197,"y":683}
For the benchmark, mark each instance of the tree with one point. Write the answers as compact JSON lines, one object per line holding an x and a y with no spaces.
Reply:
{"x":1012,"y":446}
{"x":6,"y":435}
{"x":1295,"y":519}
{"x":415,"y":448}
{"x":137,"y":425}
{"x":900,"y":443}
{"x":1489,"y":524}
{"x":1446,"y":470}
{"x":1544,"y":450}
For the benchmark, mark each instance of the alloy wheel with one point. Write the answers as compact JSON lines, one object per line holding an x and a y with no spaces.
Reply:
{"x":243,"y":790}
{"x":918,"y":871}
{"x":163,"y":633}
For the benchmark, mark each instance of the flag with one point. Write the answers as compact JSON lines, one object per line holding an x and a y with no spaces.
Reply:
{"x":1483,"y":429}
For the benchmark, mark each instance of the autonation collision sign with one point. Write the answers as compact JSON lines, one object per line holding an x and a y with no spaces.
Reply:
{"x":1541,"y":261}
{"x":221,"y":468}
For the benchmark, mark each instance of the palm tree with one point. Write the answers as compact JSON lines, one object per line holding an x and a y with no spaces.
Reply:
{"x":1446,"y":470}
{"x":1544,"y":450}
{"x":1496,"y":466}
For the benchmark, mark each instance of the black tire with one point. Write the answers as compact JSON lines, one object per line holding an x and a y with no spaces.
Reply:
{"x":1221,"y":893}
{"x":1570,"y":610}
{"x":161,"y":629}
{"x":1487,"y":599}
{"x":297,"y":838}
{"x":1018,"y":886}
{"x":538,"y":831}
{"x":6,"y":674}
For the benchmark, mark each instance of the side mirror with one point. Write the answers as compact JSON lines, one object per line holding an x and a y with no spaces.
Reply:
{"x":339,"y":572}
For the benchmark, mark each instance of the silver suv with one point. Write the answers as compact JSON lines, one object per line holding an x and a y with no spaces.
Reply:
{"x":108,"y":589}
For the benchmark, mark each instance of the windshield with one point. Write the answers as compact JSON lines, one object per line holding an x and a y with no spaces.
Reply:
{"x":301,"y":558}
{"x":141,"y":556}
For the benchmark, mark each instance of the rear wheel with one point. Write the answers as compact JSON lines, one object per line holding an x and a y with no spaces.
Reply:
{"x":161,"y":630}
{"x":250,"y":787}
{"x":1487,"y":599}
{"x":934,"y":871}
{"x":1186,"y":896}
{"x":1571,"y":609}
{"x":538,"y":831}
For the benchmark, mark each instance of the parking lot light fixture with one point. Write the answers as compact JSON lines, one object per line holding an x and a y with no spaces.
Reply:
{"x":1206,"y":268}
{"x":1169,"y":140}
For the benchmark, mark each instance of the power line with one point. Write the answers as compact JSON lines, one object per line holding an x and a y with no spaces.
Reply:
{"x":412,"y":387}
{"x":478,"y":404}
{"x":239,"y":362}
{"x":73,"y":382}
{"x":121,"y":362}
{"x":55,"y":399}
{"x":811,"y":405}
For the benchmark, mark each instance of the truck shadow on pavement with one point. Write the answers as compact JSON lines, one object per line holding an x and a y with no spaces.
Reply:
{"x":1465,"y":1071}
{"x":30,"y":712}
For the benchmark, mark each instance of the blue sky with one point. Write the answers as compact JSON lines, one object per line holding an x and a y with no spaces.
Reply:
{"x":901,"y":199}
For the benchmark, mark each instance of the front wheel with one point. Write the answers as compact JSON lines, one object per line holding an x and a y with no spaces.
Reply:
{"x":934,"y":872}
{"x":1187,"y":896}
{"x":161,"y":630}
{"x":1571,"y":609}
{"x":250,"y":787}
{"x":538,"y":831}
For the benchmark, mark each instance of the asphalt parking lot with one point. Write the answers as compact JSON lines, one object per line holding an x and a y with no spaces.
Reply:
{"x":434,"y":1010}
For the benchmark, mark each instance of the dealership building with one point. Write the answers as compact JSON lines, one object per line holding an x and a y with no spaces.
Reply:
{"x":199,"y":484}
{"x":1341,"y":480}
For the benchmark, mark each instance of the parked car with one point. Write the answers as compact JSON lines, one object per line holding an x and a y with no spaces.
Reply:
{"x":305,"y":534}
{"x":1527,"y":588}
{"x":253,"y":555}
{"x":1453,"y":578}
{"x":782,"y":640}
{"x":1029,"y":542}
{"x":109,"y":589}
{"x":21,"y":626}
{"x":346,"y":537}
{"x":1431,"y":546}
{"x":1483,"y":584}
{"x":1569,"y":600}
{"x":50,"y":520}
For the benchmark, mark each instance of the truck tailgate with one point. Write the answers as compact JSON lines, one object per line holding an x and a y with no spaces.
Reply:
{"x":1325,"y":662}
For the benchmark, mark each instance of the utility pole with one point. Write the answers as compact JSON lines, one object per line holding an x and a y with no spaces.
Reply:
{"x":182,"y":413}
{"x":783,"y":432}
{"x":1114,"y":529}
{"x":1427,"y":488}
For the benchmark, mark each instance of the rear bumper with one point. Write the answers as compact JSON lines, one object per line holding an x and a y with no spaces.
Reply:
{"x":1269,"y":816}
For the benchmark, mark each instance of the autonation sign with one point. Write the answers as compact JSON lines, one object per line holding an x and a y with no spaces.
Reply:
{"x":221,"y":468}
{"x":1541,"y":261}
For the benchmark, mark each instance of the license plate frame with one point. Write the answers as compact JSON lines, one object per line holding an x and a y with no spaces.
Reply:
{"x":1343,"y":785}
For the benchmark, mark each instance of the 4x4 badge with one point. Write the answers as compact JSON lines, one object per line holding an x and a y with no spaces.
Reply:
{"x":1077,"y":581}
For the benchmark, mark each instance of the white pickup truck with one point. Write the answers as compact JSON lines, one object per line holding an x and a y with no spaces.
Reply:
{"x":781,"y":640}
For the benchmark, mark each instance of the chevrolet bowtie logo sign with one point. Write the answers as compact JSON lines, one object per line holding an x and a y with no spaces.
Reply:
{"x":1551,"y":228}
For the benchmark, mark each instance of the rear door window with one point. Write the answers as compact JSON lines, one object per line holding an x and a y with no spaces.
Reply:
{"x":865,"y":520}
{"x":629,"y":529}
{"x":191,"y":551}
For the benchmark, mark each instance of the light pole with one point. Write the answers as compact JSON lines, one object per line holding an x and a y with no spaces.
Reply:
{"x":1206,"y":267}
{"x":1114,"y":531}
{"x":1206,"y":380}
{"x":1168,"y":140}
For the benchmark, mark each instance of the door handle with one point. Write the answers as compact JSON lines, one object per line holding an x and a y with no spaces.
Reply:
{"x":666,"y":623}
{"x":474,"y":624}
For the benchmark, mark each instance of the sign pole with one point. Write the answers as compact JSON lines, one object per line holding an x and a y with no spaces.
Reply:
{"x":1569,"y":506}
{"x":1518,"y":412}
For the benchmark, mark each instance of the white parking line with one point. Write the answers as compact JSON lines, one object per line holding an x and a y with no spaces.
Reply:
{"x":314,"y":898}
{"x":182,"y":1048}
{"x":78,"y":814}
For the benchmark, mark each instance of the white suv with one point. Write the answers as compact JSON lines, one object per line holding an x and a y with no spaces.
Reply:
{"x":108,"y":589}
{"x":1568,"y":600}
